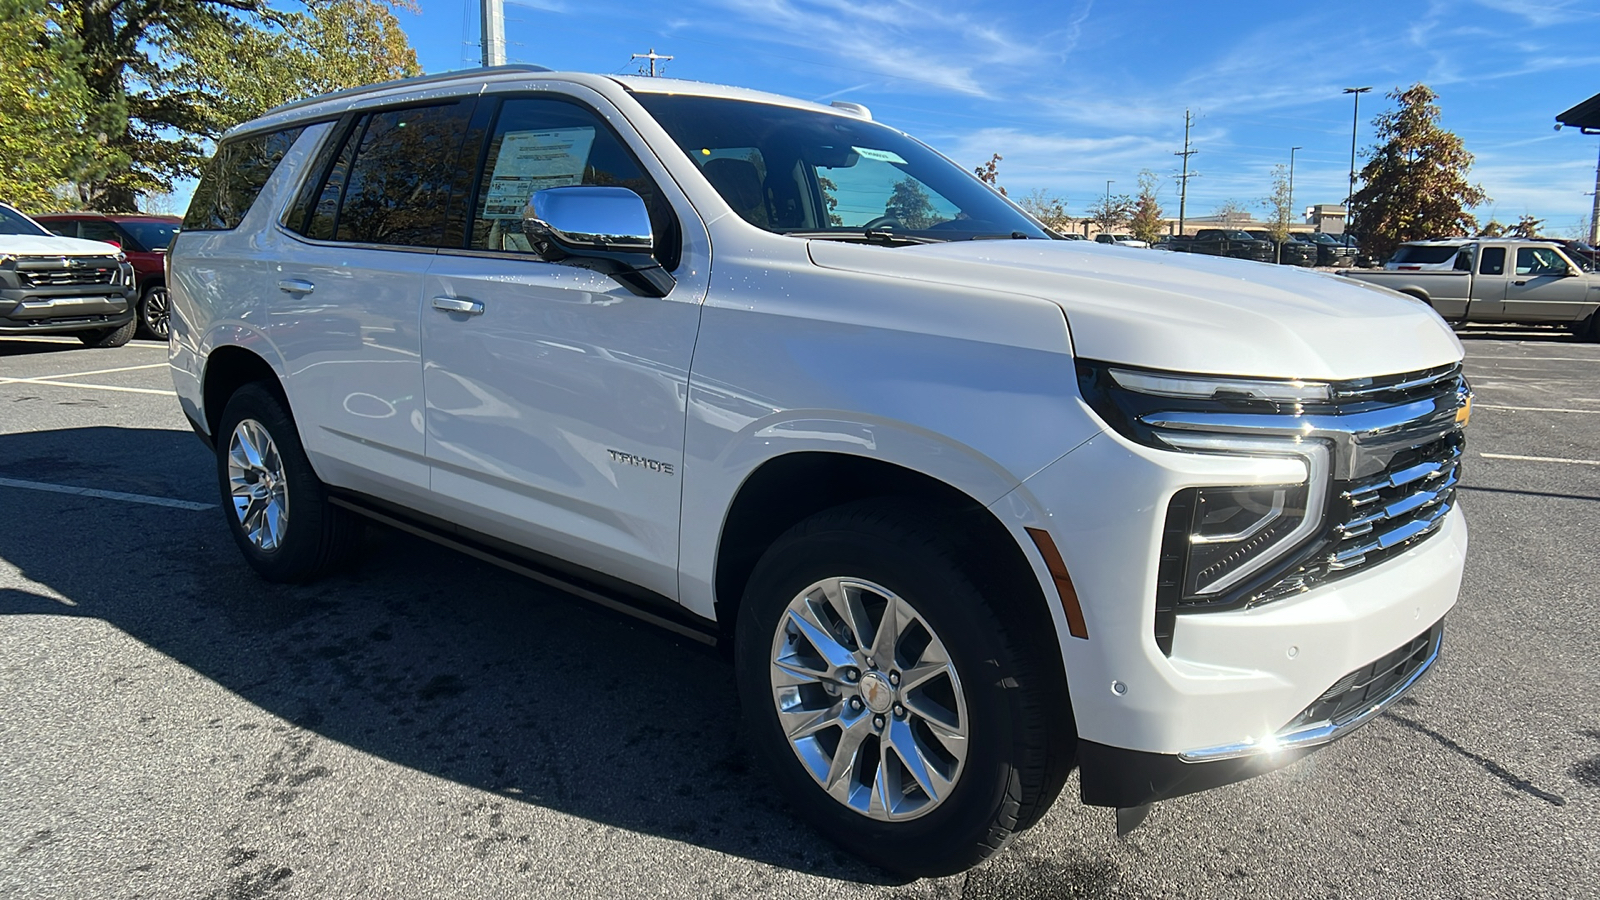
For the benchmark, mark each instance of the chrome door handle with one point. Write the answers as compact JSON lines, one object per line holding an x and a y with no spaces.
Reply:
{"x":458,"y":305}
{"x":296,"y":286}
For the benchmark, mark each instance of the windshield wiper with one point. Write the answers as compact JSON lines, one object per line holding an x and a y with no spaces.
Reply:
{"x":1013,"y":236}
{"x":869,"y":236}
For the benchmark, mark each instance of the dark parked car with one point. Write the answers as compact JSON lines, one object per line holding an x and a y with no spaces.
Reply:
{"x":1331,"y":250}
{"x":144,"y":238}
{"x":1292,"y":253}
{"x":1230,"y":242}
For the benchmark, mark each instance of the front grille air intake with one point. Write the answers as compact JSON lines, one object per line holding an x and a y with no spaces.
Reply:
{"x":65,"y":271}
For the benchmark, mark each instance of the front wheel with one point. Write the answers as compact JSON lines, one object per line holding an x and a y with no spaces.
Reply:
{"x":155,"y":313}
{"x":893,"y":707}
{"x":276,"y":507}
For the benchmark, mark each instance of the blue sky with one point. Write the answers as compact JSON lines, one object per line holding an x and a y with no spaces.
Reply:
{"x":1073,"y":93}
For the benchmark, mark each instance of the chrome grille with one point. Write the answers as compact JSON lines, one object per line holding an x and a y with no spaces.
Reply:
{"x":63,"y":271}
{"x":1373,"y":684}
{"x":1398,"y":507}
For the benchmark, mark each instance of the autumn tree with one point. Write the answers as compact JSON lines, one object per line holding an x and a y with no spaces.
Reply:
{"x":1280,"y":207}
{"x":1415,"y":181}
{"x":989,"y":173}
{"x":1229,"y":213}
{"x":1145,"y":219}
{"x":1050,"y":210}
{"x":1111,"y":213}
{"x":1493,"y":230}
{"x":167,"y":77}
{"x":47,"y":136}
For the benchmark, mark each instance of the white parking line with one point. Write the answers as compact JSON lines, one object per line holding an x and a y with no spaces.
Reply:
{"x":74,"y":384}
{"x":1548,"y":459}
{"x":1473,"y":359}
{"x":1591,"y":412}
{"x":160,"y":365}
{"x":104,"y":495}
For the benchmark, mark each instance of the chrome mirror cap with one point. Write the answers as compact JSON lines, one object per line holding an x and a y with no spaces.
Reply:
{"x":581,"y":219}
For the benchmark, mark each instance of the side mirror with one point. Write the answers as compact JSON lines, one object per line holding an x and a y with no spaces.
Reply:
{"x":606,"y":229}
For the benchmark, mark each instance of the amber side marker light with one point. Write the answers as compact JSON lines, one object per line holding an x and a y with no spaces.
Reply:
{"x":1058,"y":572}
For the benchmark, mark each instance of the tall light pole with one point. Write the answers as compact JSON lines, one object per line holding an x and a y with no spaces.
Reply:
{"x":1291,"y":178}
{"x":1355,"y":118}
{"x":1107,"y":208}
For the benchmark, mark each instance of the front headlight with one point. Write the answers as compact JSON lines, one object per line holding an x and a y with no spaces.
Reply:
{"x":1221,"y":542}
{"x":1225,"y":535}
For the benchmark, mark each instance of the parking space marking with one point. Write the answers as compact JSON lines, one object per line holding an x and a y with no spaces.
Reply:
{"x":160,"y":365}
{"x":1548,"y":459}
{"x":1535,"y":409}
{"x":74,"y":384}
{"x":104,"y":495}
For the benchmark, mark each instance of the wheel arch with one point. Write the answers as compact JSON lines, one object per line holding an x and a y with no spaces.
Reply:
{"x":791,"y":487}
{"x":228,"y":368}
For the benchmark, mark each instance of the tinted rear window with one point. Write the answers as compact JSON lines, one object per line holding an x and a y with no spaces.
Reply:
{"x":234,"y":178}
{"x":1432,"y":255}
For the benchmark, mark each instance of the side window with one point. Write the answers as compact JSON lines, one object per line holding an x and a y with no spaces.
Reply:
{"x":234,"y":178}
{"x":396,"y":189}
{"x":1464,"y":260}
{"x":324,"y":213}
{"x":538,"y":144}
{"x":103,"y":231}
{"x":1539,"y":261}
{"x":1493,"y":261}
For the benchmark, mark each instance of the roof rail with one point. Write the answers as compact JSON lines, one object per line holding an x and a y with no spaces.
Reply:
{"x":417,"y":81}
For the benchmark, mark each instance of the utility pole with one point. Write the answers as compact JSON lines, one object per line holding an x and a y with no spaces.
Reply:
{"x":1291,"y":179}
{"x":1594,"y":214}
{"x":1183,"y":180}
{"x":1355,"y":118}
{"x":494,"y":32}
{"x":652,"y":56}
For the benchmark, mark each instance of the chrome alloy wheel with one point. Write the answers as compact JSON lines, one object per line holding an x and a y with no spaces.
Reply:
{"x":868,"y":699}
{"x":256,"y":480}
{"x":157,"y":312}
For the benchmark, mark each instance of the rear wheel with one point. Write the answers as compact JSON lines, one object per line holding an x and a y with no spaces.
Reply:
{"x":894,"y":708}
{"x":1592,"y":332}
{"x":276,"y":507}
{"x":106,"y":338}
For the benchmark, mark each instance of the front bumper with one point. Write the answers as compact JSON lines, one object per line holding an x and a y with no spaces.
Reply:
{"x":1220,"y":707}
{"x":1112,"y":776}
{"x":65,"y":309}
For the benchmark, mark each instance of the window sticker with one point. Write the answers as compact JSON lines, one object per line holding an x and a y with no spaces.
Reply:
{"x":879,"y":155}
{"x":531,"y":161}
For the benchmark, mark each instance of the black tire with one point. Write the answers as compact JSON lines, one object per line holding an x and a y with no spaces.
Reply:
{"x":1592,"y":332}
{"x":316,"y":535}
{"x":155,"y":313}
{"x":1014,"y":711}
{"x":107,"y":338}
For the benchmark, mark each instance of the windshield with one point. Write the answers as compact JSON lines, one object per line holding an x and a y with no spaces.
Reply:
{"x":151,"y":236}
{"x":13,"y":222}
{"x":798,"y":171}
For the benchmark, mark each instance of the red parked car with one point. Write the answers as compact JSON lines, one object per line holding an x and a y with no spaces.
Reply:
{"x":144,"y":238}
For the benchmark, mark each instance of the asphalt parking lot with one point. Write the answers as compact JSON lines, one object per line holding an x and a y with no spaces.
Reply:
{"x":426,"y":726}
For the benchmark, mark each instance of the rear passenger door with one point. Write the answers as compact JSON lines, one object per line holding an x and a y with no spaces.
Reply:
{"x":348,"y":288}
{"x":555,"y":406}
{"x":1489,"y":285}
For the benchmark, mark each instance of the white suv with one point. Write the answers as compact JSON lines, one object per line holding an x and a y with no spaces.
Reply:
{"x":972,"y":506}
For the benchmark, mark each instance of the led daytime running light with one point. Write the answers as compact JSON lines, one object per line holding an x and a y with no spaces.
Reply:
{"x":1193,"y":387}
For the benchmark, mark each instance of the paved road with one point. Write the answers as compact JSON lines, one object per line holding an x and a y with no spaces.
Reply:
{"x":425,"y":726}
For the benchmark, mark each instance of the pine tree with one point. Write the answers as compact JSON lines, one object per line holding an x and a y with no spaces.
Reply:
{"x":1415,"y":180}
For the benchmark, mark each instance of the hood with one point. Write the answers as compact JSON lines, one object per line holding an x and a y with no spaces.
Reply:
{"x":39,"y":245}
{"x":1181,"y":311}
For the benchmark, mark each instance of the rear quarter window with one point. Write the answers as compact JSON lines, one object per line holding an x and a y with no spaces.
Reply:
{"x":1409,"y":253}
{"x":234,"y":178}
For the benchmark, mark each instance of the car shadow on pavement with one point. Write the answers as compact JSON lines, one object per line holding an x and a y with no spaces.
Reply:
{"x":414,"y":654}
{"x":25,"y":347}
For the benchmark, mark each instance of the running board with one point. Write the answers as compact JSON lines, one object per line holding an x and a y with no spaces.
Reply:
{"x":706,"y":635}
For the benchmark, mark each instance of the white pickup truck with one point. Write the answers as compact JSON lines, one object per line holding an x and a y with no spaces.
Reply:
{"x":1532,"y":282}
{"x":970,"y":505}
